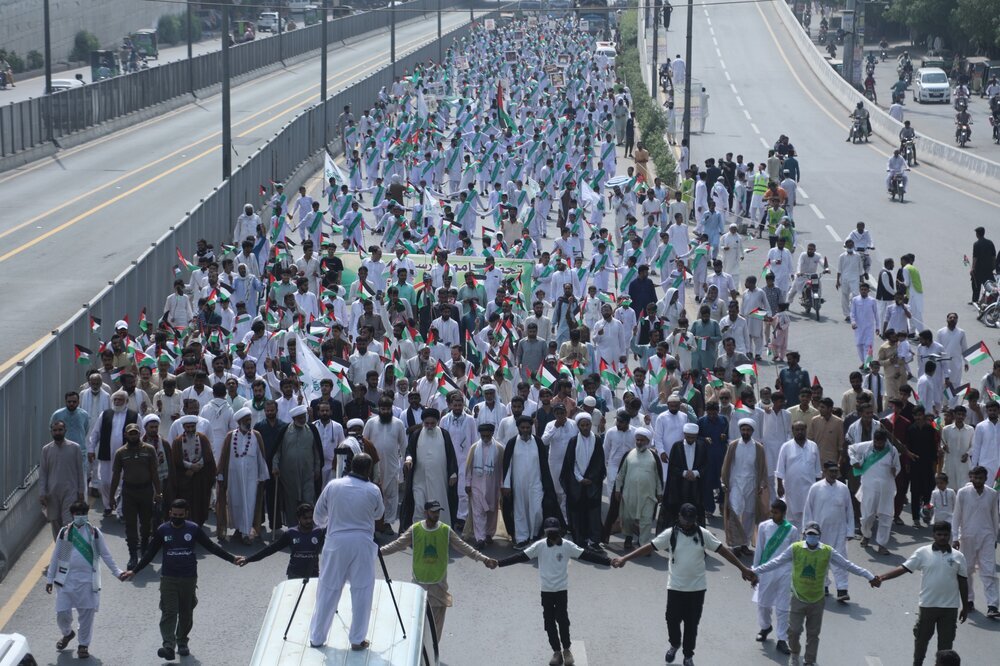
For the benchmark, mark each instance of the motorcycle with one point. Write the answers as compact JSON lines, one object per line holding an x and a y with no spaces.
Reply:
{"x":811,"y":295}
{"x":963,"y":134}
{"x":896,"y":187}
{"x":822,"y":35}
{"x":831,"y":48}
{"x":859,"y":131}
{"x":961,"y":103}
{"x":870,"y":94}
{"x":989,"y":304}
{"x":908,"y":151}
{"x":884,"y":55}
{"x":898,"y":97}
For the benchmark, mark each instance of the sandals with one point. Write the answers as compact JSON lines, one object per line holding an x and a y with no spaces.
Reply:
{"x":363,"y":645}
{"x":65,"y":640}
{"x":82,"y":652}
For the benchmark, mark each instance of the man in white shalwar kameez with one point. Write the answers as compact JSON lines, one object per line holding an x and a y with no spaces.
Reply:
{"x":617,"y":444}
{"x":952,"y":338}
{"x":331,"y":434}
{"x":668,"y":429}
{"x":829,"y":504}
{"x":956,"y":443}
{"x":243,"y":467}
{"x":430,"y":472}
{"x":219,"y":414}
{"x":731,"y":249}
{"x":797,"y":470}
{"x":877,"y":462}
{"x":462,"y":427}
{"x":348,"y":509}
{"x":388,"y":435}
{"x":523,"y":481}
{"x":640,"y":482}
{"x":483,"y":469}
{"x":74,"y":571}
{"x":974,"y":528}
{"x":774,"y":588}
{"x":864,"y":321}
{"x":556,"y":437}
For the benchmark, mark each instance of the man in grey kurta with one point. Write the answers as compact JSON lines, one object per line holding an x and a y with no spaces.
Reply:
{"x":297,"y":464}
{"x":60,"y":477}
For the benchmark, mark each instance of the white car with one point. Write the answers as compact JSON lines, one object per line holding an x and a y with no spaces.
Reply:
{"x":66,"y":84}
{"x":930,"y":84}
{"x":268,"y":22}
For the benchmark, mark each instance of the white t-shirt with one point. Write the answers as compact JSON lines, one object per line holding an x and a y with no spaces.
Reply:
{"x":553,"y":562}
{"x":687,"y":563}
{"x":939,"y":582}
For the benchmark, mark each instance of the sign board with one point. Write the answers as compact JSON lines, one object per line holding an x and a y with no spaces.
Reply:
{"x":847,"y":22}
{"x":462,"y":62}
{"x":562,"y":60}
{"x":510,"y":56}
{"x":558,"y":79}
{"x":584,"y":25}
{"x":491,"y":24}
{"x":518,"y":36}
{"x":533,"y":20}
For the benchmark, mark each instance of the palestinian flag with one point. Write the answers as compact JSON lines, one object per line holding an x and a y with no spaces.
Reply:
{"x":608,"y":374}
{"x":95,"y":323}
{"x":741,"y":409}
{"x":992,"y":396}
{"x":758,"y":313}
{"x":868,"y":357}
{"x":748,"y":369}
{"x":343,"y":385}
{"x":712,"y":380}
{"x":956,"y":393}
{"x":471,"y":385}
{"x":689,"y":391}
{"x":143,"y":360}
{"x":116,"y":374}
{"x":657,"y":375}
{"x":184,"y":262}
{"x":143,"y":322}
{"x":766,"y":269}
{"x":81,"y":354}
{"x":546,"y":378}
{"x":815,"y":381}
{"x":977,"y":353}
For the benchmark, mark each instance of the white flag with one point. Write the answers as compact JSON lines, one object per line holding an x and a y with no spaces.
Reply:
{"x":313,"y":370}
{"x":588,"y":197}
{"x":331,"y":170}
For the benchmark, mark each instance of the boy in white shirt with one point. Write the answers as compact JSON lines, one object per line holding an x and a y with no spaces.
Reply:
{"x":553,"y":554}
{"x":942,"y":499}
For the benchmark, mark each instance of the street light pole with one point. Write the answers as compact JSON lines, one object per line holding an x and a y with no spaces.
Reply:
{"x":440,"y":45}
{"x":687,"y":76}
{"x":653,"y":60}
{"x":190,"y":48}
{"x":227,"y":136}
{"x":322,"y":74}
{"x":392,"y":35}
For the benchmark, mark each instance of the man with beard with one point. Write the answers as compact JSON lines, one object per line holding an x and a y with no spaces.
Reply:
{"x":193,"y":469}
{"x":388,"y":435}
{"x":582,"y":477}
{"x":685,"y":471}
{"x":242,"y":468}
{"x":527,"y":488}
{"x":744,"y":479}
{"x":298,"y":463}
{"x":430,"y":468}
{"x":61,"y":480}
{"x":107,"y":435}
{"x":272,"y":430}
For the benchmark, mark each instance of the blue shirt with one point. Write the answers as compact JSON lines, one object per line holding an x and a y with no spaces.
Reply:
{"x":179,"y":560}
{"x":77,"y":425}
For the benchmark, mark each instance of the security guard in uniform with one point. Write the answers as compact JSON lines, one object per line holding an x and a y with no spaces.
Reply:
{"x":135,"y":465}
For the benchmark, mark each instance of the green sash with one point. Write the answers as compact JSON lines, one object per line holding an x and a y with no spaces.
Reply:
{"x":349,"y":230}
{"x":871,"y":459}
{"x":454,"y":156}
{"x":317,"y":221}
{"x":776,"y":540}
{"x":81,"y":545}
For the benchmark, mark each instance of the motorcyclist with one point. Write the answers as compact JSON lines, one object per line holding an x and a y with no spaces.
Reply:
{"x":961,"y":95}
{"x":903,"y":65}
{"x":870,"y":88}
{"x":907,"y":134}
{"x":809,"y":264}
{"x":992,"y":88}
{"x":899,"y":89}
{"x":963,"y":117}
{"x":831,"y":48}
{"x":883,"y":44}
{"x":896,"y":166}
{"x":863,"y":244}
{"x":860,"y":113}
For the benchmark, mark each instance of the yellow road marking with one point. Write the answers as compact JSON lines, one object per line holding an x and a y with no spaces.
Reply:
{"x":24,"y":589}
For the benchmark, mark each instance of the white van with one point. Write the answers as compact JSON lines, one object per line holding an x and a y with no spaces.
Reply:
{"x":608,"y":49}
{"x":388,"y":647}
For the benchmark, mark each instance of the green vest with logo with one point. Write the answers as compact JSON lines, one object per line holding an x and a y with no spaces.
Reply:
{"x":430,"y":553}
{"x":808,"y":571}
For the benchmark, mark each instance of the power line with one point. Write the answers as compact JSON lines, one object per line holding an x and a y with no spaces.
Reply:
{"x":556,"y":13}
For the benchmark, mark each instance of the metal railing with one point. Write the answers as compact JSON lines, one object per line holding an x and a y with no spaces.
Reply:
{"x":34,"y":389}
{"x":24,"y":124}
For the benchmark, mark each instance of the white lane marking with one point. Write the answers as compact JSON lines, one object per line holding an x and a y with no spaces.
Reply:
{"x":728,"y":78}
{"x":799,"y":190}
{"x":580,"y":653}
{"x":756,"y":131}
{"x":747,"y":114}
{"x":722,"y":62}
{"x":715,"y":41}
{"x":718,"y":52}
{"x":833,"y":233}
{"x":739,"y":100}
{"x":873,"y":661}
{"x":733,"y":87}
{"x":711,"y":30}
{"x":764,"y":143}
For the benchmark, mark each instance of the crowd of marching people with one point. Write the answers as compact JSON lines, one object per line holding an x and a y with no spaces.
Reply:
{"x":592,"y":370}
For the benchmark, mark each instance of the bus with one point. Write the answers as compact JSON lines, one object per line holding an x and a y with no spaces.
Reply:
{"x":597,"y":15}
{"x":284,"y":635}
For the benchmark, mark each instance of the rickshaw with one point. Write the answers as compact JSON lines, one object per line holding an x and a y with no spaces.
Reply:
{"x":145,"y":42}
{"x":104,"y":65}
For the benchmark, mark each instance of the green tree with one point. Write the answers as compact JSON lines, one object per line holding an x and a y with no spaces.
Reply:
{"x":923,"y":17}
{"x":978,"y":22}
{"x":83,"y":43}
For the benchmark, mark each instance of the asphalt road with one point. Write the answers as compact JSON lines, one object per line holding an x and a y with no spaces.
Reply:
{"x":35,"y":86}
{"x":73,"y":209}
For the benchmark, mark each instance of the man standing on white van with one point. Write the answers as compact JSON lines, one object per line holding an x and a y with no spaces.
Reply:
{"x":347,"y":508}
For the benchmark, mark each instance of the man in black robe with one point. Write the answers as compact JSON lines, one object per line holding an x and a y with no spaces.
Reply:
{"x":582,"y":478}
{"x":686,"y":469}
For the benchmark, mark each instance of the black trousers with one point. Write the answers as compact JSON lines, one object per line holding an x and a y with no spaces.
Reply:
{"x":137,"y":509}
{"x":585,"y":520}
{"x":943,"y":620}
{"x":556,"y":619}
{"x":921,"y":486}
{"x":977,"y":285}
{"x":684,"y":608}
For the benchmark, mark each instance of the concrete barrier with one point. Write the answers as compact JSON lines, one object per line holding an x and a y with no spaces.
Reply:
{"x":952,"y":159}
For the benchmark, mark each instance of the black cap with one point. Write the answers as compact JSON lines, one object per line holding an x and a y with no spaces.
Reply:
{"x":829,"y":464}
{"x":486,"y":425}
{"x":432,"y":505}
{"x":551,"y":524}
